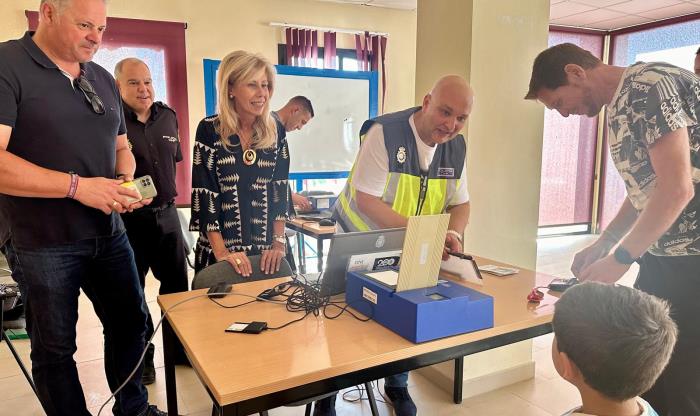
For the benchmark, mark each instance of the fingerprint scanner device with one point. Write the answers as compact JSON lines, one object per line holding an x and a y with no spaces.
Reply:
{"x":423,"y":314}
{"x":418,"y":306}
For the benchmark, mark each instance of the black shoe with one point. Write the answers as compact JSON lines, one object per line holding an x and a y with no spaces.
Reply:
{"x":401,"y":401}
{"x":325,"y":406}
{"x":149,"y":370}
{"x":152,"y":410}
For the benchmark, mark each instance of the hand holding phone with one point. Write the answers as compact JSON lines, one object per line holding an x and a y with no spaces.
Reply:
{"x":144,"y":186}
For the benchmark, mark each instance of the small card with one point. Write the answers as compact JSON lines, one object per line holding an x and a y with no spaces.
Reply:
{"x":254,"y":327}
{"x":498,"y":270}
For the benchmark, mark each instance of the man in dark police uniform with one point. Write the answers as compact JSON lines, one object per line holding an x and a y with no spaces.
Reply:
{"x":154,"y":231}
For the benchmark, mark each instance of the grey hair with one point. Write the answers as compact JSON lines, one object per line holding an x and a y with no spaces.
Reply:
{"x":120,"y":65}
{"x":619,"y":338}
{"x":60,"y":5}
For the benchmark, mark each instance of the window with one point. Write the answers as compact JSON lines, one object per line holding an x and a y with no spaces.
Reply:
{"x":673,"y":43}
{"x":568,"y":156}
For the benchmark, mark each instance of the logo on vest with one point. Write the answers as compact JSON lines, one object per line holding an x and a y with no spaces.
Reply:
{"x":171,"y":139}
{"x":401,"y":155}
{"x":446,"y":172}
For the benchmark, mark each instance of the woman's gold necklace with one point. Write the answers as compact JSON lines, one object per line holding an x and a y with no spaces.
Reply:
{"x":249,"y":155}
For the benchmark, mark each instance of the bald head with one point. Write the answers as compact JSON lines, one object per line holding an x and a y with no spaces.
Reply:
{"x":135,"y":85}
{"x":445,"y":110}
{"x":453,"y":85}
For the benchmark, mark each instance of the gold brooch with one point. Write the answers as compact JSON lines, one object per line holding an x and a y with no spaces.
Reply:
{"x":249,"y":157}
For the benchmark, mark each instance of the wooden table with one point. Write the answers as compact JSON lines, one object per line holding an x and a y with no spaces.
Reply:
{"x":245,"y":374}
{"x":312,"y":229}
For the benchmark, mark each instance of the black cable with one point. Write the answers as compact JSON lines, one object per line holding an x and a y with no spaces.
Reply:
{"x":232,"y":306}
{"x":304,"y":297}
{"x":360,"y":389}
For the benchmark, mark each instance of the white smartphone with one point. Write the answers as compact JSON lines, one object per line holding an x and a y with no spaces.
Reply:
{"x":144,"y":186}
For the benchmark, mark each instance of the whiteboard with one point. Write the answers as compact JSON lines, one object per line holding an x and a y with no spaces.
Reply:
{"x":330,"y":141}
{"x":342,"y":101}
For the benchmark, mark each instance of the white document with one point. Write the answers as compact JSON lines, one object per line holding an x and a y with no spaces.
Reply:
{"x":462,"y":268}
{"x":387,"y":277}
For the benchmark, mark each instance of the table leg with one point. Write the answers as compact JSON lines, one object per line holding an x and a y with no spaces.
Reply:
{"x":319,"y":253}
{"x":169,"y":342}
{"x":301,"y":251}
{"x":372,"y":400}
{"x":459,"y":375}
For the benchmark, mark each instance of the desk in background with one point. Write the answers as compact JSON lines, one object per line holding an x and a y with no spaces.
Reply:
{"x":245,"y":374}
{"x":312,"y":229}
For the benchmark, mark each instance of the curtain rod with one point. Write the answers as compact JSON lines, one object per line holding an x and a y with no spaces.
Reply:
{"x":326,"y":29}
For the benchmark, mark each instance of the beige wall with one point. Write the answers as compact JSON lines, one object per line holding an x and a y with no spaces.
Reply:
{"x":492,"y":43}
{"x":505,"y":131}
{"x":445,"y":47}
{"x":216,"y":27}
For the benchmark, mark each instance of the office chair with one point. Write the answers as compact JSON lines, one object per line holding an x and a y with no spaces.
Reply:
{"x":223,"y":272}
{"x":189,"y":238}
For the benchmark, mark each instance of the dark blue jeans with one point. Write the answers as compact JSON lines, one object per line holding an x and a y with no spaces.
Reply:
{"x":52,"y":278}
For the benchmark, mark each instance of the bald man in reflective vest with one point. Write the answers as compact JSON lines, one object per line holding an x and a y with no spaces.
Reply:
{"x":412,"y":162}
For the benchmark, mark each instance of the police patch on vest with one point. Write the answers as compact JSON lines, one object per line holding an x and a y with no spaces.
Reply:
{"x":401,"y":154}
{"x":446,"y":172}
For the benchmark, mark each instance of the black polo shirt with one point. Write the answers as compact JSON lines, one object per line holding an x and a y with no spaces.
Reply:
{"x":156,"y":147}
{"x":55,"y":127}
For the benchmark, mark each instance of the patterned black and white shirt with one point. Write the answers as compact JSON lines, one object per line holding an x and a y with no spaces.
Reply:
{"x":652,"y":100}
{"x":239,"y":201}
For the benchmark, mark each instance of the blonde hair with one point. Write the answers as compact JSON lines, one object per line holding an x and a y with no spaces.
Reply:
{"x":241,"y":66}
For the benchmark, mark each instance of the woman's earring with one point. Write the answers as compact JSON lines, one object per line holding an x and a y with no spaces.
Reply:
{"x":230,"y":96}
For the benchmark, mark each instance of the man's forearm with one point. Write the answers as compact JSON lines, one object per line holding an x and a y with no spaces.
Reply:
{"x":621,"y":224}
{"x":126,"y":163}
{"x":663,"y":208}
{"x":459,"y":217}
{"x":19,"y":177}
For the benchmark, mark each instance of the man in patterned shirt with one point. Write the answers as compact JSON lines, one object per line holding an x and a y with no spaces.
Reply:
{"x":654,"y":139}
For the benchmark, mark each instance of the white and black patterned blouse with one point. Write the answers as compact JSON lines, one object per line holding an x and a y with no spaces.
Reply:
{"x":240,"y":201}
{"x":652,"y":100}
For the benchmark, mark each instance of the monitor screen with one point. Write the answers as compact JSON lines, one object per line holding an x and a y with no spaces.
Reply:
{"x":344,"y":245}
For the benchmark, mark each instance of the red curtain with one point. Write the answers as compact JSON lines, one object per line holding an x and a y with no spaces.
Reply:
{"x":170,"y":37}
{"x":368,"y":53}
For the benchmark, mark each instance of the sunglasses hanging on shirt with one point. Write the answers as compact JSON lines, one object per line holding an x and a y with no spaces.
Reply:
{"x":86,"y":87}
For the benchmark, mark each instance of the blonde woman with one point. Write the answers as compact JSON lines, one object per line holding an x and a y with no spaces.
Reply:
{"x":240,"y":171}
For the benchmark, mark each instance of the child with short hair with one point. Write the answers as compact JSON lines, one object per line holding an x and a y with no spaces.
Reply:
{"x":611,"y":342}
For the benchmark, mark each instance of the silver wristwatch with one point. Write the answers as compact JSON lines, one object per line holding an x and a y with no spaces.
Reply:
{"x":279,"y":239}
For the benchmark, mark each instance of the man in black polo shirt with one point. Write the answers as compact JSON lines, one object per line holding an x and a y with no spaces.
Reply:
{"x":62,"y":139}
{"x":154,"y":231}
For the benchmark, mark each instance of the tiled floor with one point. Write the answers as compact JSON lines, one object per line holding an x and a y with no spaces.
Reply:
{"x":544,"y":395}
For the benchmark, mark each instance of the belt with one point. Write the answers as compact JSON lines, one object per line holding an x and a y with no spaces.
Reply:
{"x":148,"y":209}
{"x":162,"y":207}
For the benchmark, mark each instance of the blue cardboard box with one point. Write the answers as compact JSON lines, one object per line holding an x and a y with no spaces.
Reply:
{"x":421,"y":315}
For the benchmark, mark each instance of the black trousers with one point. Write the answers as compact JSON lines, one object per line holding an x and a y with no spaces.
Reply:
{"x":677,"y":280}
{"x":156,"y":238}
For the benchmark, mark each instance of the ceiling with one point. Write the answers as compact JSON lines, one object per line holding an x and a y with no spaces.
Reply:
{"x":592,"y":14}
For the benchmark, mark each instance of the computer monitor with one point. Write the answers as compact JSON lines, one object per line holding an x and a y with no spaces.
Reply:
{"x":344,"y":245}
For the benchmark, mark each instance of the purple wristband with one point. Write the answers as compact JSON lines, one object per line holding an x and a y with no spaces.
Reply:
{"x":73,"y":185}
